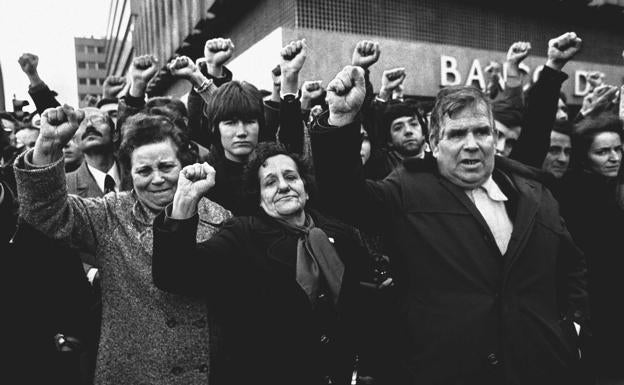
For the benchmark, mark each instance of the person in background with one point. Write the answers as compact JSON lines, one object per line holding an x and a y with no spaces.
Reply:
{"x":557,"y":159}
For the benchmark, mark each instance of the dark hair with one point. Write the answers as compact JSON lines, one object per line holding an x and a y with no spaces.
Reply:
{"x":506,"y":111}
{"x":563,"y":127}
{"x":233,"y":101}
{"x":395,"y":110}
{"x":264,"y":151}
{"x":172,"y":108}
{"x":587,"y":129}
{"x":452,"y":100}
{"x":142,"y":129}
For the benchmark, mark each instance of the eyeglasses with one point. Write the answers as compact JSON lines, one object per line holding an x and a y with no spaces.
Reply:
{"x":95,"y":120}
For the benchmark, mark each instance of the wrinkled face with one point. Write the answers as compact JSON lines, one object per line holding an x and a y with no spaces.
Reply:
{"x":239,"y":138}
{"x":282,"y":191}
{"x":605,"y":154}
{"x":26,"y":138}
{"x":155,"y":169}
{"x":562,"y":111}
{"x":465,"y":148}
{"x":507,"y":138}
{"x":365,"y":148}
{"x":558,"y":157}
{"x":94,"y":131}
{"x":406,"y":136}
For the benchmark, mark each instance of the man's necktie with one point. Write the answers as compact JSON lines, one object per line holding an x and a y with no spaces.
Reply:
{"x":109,"y":184}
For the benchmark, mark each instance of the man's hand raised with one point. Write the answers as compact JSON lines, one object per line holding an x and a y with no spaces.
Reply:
{"x":345,"y":95}
{"x":194,"y":182}
{"x":58,"y":126}
{"x":112,"y":86}
{"x":517,"y":52}
{"x":216,"y":53}
{"x":391,"y":80}
{"x":293,"y":55}
{"x":143,"y":68}
{"x":562,"y":49}
{"x":365,"y":54}
{"x":29,"y":63}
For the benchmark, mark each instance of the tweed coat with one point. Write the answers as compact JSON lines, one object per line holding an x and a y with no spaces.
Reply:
{"x":148,"y":336}
{"x":470,"y":314}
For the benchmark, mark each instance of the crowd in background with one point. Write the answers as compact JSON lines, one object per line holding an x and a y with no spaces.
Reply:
{"x":307,"y":235}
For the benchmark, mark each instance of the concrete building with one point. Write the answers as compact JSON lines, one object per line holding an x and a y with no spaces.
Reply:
{"x":90,"y":67}
{"x":439,"y":42}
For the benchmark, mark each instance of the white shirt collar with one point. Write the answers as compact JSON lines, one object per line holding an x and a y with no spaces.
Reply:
{"x":493,"y":191}
{"x":100,"y":176}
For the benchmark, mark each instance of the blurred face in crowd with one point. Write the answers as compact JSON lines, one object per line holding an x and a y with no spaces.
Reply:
{"x":94,"y":132}
{"x":562,"y":111}
{"x":406,"y":136}
{"x":26,"y":138}
{"x":155,"y":168}
{"x":558,"y":157}
{"x":365,"y":149}
{"x":239,"y":138}
{"x":9,"y":128}
{"x":507,"y":138}
{"x":72,"y":154}
{"x":605,"y":154}
{"x":282,"y":191}
{"x":466,"y":146}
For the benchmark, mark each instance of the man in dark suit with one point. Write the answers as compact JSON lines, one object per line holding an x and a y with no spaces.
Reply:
{"x":99,"y":173}
{"x":489,"y":278}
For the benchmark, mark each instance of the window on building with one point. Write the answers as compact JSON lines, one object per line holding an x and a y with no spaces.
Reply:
{"x":100,"y":49}
{"x":102,"y":65}
{"x":90,"y":49}
{"x":80,"y":48}
{"x":102,"y":80}
{"x":91,"y":65}
{"x":82,"y":81}
{"x":82,"y":64}
{"x":93,"y":81}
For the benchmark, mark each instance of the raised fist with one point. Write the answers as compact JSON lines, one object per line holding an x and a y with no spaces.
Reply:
{"x":562,"y":49}
{"x":218,"y":51}
{"x":143,"y":68}
{"x":392,"y":78}
{"x":599,"y":99}
{"x":29,"y":63}
{"x":345,"y":95}
{"x":196,"y":180}
{"x":293,"y":55}
{"x":112,"y":86}
{"x":365,"y":54}
{"x":58,"y":126}
{"x":311,"y":89}
{"x":595,"y":79}
{"x":518,"y":51}
{"x":182,"y":67}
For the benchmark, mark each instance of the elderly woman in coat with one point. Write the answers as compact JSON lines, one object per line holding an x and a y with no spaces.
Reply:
{"x":148,"y":336}
{"x":284,"y":280}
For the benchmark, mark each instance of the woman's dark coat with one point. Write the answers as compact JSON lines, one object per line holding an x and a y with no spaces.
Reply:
{"x":247,"y":271}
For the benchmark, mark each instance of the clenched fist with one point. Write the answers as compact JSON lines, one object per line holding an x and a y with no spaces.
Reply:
{"x":517,"y":52}
{"x":293,"y":55}
{"x":194,"y":182}
{"x":345,"y":95}
{"x":365,"y":54}
{"x":391,"y":80}
{"x":562,"y":49}
{"x":112,"y":86}
{"x":58,"y":126}
{"x":29,"y":63}
{"x":217,"y":52}
{"x":143,"y":68}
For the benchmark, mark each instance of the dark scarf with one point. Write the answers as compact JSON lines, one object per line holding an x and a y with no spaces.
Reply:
{"x":316,"y":259}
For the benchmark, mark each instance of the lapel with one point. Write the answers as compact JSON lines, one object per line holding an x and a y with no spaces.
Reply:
{"x":528,"y":200}
{"x":86,"y":186}
{"x":271,"y":236}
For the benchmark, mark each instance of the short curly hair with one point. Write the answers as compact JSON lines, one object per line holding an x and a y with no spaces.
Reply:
{"x":143,"y":129}
{"x":264,"y":151}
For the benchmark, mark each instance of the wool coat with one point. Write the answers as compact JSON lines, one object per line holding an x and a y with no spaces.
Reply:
{"x":272,"y":333}
{"x":469,"y":314}
{"x":148,"y":336}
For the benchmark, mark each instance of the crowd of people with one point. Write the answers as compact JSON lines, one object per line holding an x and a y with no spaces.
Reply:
{"x":316,"y":235}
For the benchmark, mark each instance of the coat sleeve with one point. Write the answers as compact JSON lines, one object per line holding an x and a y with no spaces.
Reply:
{"x":539,"y":118}
{"x":43,"y":97}
{"x":343,"y":190}
{"x":291,"y":127}
{"x":45,"y":205}
{"x":181,"y":265}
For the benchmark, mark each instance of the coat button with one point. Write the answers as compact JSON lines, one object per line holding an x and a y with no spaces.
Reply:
{"x":171,"y":322}
{"x":492,"y":359}
{"x":203,"y":368}
{"x":176,"y":370}
{"x":324,"y":339}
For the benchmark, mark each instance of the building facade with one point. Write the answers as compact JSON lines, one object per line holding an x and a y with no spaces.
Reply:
{"x":439,"y":42}
{"x":90,"y":67}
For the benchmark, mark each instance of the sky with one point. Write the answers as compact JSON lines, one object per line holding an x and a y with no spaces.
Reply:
{"x":46,"y":28}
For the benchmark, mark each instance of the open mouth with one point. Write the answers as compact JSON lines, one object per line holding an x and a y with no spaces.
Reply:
{"x":470,"y":162}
